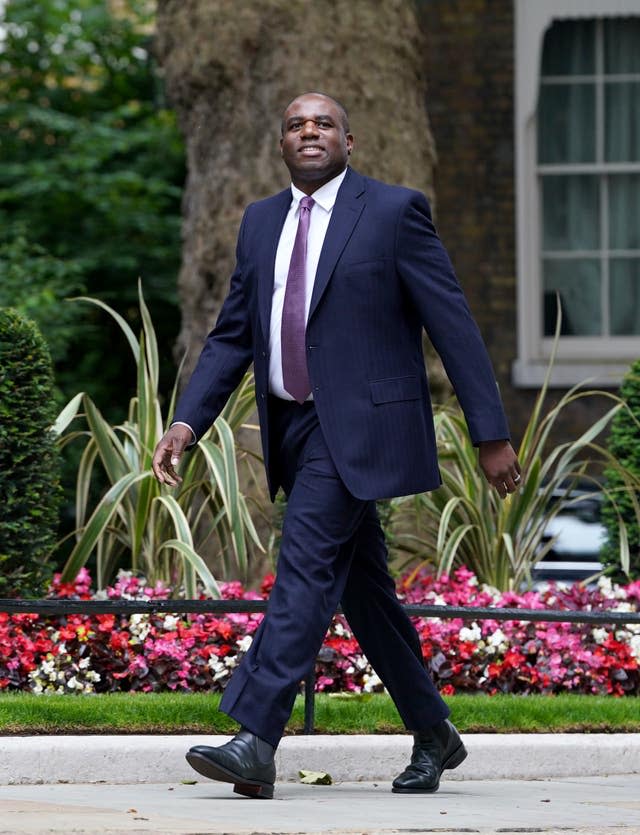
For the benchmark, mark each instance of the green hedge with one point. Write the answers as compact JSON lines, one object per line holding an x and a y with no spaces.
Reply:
{"x":624,"y":444}
{"x":29,"y":462}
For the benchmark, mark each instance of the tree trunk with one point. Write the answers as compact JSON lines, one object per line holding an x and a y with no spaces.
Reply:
{"x":231,"y":68}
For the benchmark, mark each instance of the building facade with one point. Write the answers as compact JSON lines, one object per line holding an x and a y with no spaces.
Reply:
{"x":535,"y":110}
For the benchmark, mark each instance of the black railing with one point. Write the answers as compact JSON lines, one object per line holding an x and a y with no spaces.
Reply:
{"x":69,"y":606}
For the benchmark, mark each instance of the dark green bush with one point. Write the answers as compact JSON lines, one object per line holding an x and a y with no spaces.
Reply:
{"x":624,"y":444}
{"x":29,"y":462}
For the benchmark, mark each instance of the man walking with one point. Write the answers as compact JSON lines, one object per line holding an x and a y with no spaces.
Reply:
{"x":335,"y":279}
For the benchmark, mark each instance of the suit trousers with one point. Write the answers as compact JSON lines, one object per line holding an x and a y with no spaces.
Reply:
{"x":332,"y":551}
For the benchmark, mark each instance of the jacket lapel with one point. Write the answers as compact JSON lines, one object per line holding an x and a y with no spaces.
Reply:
{"x":272,"y":224}
{"x":344,"y":216}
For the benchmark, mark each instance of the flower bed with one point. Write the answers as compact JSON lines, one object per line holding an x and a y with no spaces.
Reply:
{"x":149,"y":653}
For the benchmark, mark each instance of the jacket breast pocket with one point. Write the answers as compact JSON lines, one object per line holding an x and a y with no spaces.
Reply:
{"x":393,"y":389}
{"x":361,"y":270}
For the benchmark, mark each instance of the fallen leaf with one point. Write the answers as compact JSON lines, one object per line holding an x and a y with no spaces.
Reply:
{"x":188,"y":782}
{"x":315,"y":778}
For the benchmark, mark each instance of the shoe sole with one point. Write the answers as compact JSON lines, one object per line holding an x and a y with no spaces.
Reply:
{"x":453,"y":761}
{"x":248,"y":788}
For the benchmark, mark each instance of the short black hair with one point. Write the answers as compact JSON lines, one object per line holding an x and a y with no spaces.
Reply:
{"x":344,"y":116}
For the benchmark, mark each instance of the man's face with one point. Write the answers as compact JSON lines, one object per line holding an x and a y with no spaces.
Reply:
{"x":314,"y":145}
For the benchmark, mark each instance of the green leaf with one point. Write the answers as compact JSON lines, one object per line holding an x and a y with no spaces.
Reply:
{"x":96,"y":525}
{"x":196,"y":562}
{"x":68,"y":414}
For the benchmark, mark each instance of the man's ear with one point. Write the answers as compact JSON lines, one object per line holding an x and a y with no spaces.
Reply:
{"x":281,"y":147}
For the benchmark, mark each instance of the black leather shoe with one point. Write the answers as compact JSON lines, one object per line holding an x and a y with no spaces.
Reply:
{"x":246,"y":761}
{"x":433,"y":751}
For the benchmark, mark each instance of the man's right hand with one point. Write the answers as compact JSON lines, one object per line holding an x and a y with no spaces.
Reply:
{"x":168,"y":453}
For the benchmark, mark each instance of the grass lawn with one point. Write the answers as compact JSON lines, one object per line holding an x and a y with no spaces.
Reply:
{"x":172,"y":713}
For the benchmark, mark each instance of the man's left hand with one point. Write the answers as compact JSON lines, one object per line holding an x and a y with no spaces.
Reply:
{"x":499,"y":463}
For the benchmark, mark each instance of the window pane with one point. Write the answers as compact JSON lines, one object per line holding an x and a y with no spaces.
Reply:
{"x":570,"y":208}
{"x":577,"y":281}
{"x":624,"y":296}
{"x":622,"y":115}
{"x":624,"y":211}
{"x":622,"y":45}
{"x":569,"y":48}
{"x":566,"y":123}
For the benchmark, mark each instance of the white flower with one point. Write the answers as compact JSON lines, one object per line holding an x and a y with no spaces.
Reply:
{"x":599,"y":634}
{"x":47,"y":667}
{"x":139,"y":627}
{"x":170,"y":623}
{"x":371,"y":682}
{"x":471,"y":633}
{"x":497,"y":642}
{"x":218,"y":668}
{"x":243,"y":644}
{"x":634,"y":646}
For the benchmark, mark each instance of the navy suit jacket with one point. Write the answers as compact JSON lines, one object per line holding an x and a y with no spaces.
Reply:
{"x":383,"y":275}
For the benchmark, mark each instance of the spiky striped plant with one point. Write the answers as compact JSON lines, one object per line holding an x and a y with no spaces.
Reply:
{"x":156,"y":530}
{"x":465,"y":522}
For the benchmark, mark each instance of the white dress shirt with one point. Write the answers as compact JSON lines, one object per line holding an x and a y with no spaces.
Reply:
{"x":325,"y":198}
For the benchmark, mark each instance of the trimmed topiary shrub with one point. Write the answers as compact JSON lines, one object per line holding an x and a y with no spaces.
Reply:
{"x":29,"y":461}
{"x":624,"y":444}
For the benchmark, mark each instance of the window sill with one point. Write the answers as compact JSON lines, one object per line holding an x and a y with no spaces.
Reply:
{"x":531,"y":374}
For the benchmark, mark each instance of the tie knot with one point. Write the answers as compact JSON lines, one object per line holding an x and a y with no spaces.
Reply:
{"x":307,"y":202}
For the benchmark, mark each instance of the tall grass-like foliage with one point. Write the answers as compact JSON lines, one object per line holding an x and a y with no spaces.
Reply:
{"x":139,"y":524}
{"x":466,"y":523}
{"x":623,"y":497}
{"x":29,"y":460}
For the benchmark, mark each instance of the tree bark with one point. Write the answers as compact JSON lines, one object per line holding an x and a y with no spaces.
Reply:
{"x":232,"y":66}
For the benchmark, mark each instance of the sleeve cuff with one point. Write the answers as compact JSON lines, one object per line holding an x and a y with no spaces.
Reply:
{"x":193,"y":434}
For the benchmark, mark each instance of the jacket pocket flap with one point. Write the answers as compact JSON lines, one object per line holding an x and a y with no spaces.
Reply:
{"x":395,"y":388}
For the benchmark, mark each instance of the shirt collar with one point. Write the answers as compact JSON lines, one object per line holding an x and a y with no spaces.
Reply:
{"x":325,"y":196}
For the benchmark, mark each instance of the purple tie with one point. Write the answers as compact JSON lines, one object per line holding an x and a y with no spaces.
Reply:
{"x":292,"y":336}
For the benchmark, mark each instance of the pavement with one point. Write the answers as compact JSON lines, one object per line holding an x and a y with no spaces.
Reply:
{"x":555,"y":783}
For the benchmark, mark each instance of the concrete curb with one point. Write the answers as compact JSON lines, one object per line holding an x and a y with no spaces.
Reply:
{"x":160,"y":759}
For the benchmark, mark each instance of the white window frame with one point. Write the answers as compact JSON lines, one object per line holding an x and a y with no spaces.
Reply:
{"x":599,"y":360}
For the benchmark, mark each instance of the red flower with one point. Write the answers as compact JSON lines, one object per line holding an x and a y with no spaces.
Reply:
{"x":119,"y":641}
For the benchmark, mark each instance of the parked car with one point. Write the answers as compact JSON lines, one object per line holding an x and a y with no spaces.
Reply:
{"x":579,"y":534}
